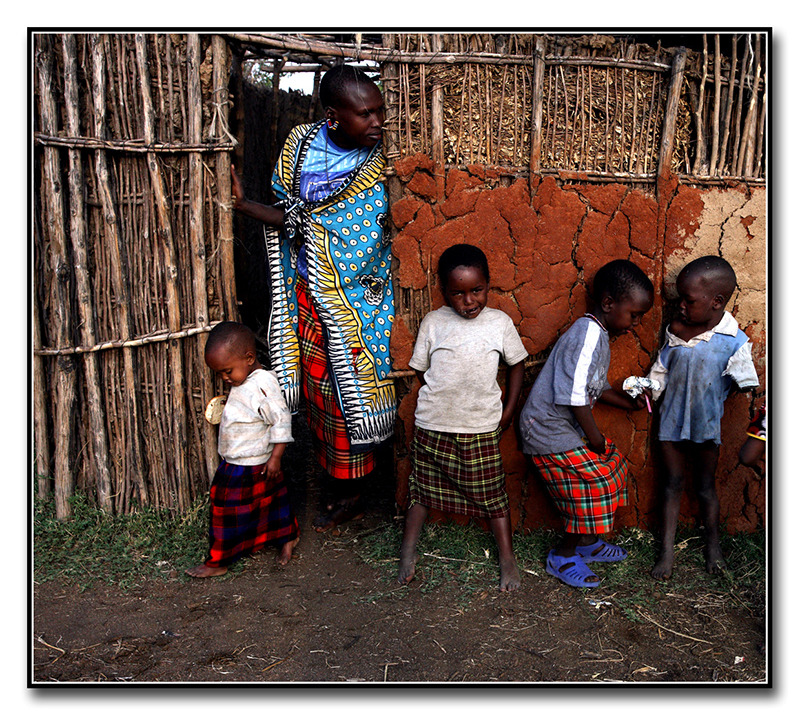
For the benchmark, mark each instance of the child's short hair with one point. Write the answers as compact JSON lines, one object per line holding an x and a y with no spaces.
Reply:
{"x":712,"y":270}
{"x":461,"y":255}
{"x":618,"y":279}
{"x":336,"y":81}
{"x":236,"y":337}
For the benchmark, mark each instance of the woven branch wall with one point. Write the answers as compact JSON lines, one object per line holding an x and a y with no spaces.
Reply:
{"x":132,"y":263}
{"x":602,"y":103}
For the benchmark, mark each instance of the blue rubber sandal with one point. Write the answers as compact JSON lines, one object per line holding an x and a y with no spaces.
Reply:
{"x":607,"y":552}
{"x":575,"y":575}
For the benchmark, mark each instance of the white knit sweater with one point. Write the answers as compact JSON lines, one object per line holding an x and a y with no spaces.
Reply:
{"x":255,"y":417}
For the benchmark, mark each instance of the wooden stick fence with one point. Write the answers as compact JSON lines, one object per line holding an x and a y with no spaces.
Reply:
{"x":143,"y":241}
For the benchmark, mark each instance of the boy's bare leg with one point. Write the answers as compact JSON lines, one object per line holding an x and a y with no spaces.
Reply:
{"x":509,"y":574}
{"x":707,"y":457}
{"x":670,"y":508}
{"x":415,"y":518}
{"x":566,"y":548}
{"x":201,"y":571}
{"x":286,"y":551}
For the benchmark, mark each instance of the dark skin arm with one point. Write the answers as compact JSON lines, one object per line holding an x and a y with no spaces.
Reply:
{"x":262,"y":212}
{"x":514,"y":375}
{"x":622,"y":400}
{"x":273,"y":466}
{"x":594,"y":438}
{"x":583,"y":414}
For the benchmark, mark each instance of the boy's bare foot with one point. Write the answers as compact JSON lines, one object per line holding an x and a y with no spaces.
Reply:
{"x":405,"y":574}
{"x":202,"y":571}
{"x":663,"y":569}
{"x":285,"y":553}
{"x":715,"y":561}
{"x":509,"y":576}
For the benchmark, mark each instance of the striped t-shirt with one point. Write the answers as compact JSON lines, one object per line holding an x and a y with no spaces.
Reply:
{"x":575,"y":374}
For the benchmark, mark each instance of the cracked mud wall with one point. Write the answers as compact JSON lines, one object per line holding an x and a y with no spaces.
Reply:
{"x":544,"y":241}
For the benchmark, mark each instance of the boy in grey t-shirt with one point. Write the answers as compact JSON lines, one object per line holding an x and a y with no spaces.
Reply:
{"x":584,"y":474}
{"x":461,"y":410}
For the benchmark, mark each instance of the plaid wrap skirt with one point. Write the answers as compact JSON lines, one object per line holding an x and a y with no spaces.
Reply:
{"x":459,"y":473}
{"x":248,"y":512}
{"x":328,"y":432}
{"x":586,"y":487}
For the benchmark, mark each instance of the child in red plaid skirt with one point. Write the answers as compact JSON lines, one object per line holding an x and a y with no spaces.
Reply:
{"x":461,"y":410}
{"x":250,"y":506}
{"x":584,"y":473}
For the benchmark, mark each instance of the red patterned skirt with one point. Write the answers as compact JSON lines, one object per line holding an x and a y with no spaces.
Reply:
{"x":586,"y":487}
{"x":248,"y":512}
{"x":329,"y":434}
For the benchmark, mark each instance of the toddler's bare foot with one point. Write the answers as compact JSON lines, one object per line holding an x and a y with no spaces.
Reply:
{"x":285,"y":552}
{"x":509,"y":576}
{"x":663,"y":569}
{"x":405,"y":573}
{"x":715,"y":561}
{"x":201,"y":571}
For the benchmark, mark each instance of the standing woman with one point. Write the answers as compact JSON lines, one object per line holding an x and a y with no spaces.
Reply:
{"x":332,"y":303}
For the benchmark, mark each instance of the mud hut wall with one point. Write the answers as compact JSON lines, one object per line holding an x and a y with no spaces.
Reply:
{"x":137,"y":145}
{"x":546,"y":233}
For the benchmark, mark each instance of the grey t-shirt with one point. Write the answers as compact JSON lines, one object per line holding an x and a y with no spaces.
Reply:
{"x":575,"y":374}
{"x":460,"y":357}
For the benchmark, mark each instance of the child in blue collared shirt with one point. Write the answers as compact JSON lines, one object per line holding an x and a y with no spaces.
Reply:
{"x":705,"y":352}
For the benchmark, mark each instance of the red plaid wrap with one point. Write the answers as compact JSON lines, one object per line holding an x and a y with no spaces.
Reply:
{"x":586,"y":487}
{"x":248,"y":512}
{"x":329,"y":435}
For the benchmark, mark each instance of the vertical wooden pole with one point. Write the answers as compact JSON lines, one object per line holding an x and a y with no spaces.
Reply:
{"x":94,"y":398}
{"x":537,"y":96}
{"x":437,"y":111}
{"x":222,"y":164}
{"x":390,"y":77}
{"x":134,"y":463}
{"x":751,"y":120}
{"x":665,"y":182}
{"x":700,"y":166}
{"x":670,"y":116}
{"x":197,"y":241}
{"x":176,"y":387}
{"x":728,"y":107}
{"x":712,"y":165}
{"x":41,"y":434}
{"x":60,"y":280}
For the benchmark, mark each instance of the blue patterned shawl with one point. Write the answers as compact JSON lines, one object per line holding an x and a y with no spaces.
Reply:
{"x":349,"y":282}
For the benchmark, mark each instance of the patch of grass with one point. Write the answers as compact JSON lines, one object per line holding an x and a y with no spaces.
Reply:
{"x":464,"y":559}
{"x":121,"y":549}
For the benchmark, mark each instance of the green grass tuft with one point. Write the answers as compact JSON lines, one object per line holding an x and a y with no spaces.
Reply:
{"x":122,"y":549}
{"x":464,"y":559}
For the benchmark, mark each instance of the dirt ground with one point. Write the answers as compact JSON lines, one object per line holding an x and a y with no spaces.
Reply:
{"x":331,"y":618}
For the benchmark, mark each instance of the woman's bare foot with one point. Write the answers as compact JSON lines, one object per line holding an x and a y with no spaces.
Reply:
{"x":408,"y":561}
{"x":202,"y":571}
{"x":343,"y":511}
{"x":663,"y":569}
{"x":715,"y":561}
{"x":509,"y":575}
{"x":286,"y":552}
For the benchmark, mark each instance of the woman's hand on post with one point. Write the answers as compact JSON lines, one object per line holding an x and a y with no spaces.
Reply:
{"x":237,"y":189}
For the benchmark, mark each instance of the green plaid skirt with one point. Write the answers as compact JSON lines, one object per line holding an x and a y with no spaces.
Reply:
{"x":459,"y":473}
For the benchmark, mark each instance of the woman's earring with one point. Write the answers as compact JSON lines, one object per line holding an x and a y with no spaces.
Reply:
{"x":334,"y":124}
